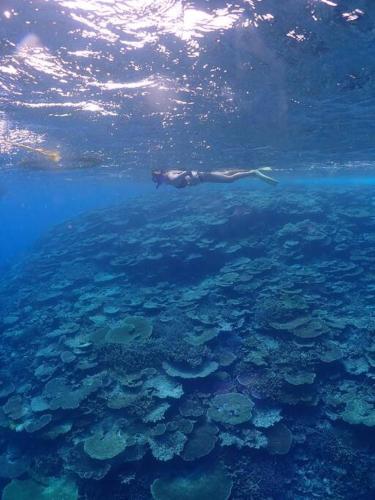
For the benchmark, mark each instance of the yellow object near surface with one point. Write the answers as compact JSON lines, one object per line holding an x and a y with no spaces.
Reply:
{"x":51,"y":154}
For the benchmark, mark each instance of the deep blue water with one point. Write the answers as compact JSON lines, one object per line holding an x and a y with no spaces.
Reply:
{"x":34,"y":203}
{"x":214,"y":341}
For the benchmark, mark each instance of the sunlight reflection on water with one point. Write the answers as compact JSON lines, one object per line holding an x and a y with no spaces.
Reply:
{"x":186,"y":78}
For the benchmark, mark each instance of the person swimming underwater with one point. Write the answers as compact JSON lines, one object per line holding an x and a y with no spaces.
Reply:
{"x":184,"y":178}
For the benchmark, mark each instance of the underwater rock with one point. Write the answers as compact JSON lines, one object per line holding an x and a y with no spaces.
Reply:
{"x":202,"y":485}
{"x":232,"y":408}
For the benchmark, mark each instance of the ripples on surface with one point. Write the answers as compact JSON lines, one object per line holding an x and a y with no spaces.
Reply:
{"x":195,"y":83}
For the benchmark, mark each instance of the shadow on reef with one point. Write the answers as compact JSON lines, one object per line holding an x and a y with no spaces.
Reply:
{"x":208,"y":346}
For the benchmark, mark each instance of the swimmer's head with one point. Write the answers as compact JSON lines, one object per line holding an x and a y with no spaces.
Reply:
{"x":157,"y":177}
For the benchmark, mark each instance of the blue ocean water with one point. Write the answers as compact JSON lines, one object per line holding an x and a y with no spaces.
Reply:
{"x":211,"y":341}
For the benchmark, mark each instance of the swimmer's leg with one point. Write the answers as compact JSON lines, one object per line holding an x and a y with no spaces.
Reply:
{"x":231,"y":176}
{"x":228,"y":176}
{"x":233,"y":171}
{"x":264,"y":169}
{"x":266,"y":178}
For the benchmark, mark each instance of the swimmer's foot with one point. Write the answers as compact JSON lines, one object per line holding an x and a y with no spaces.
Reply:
{"x":265,"y":178}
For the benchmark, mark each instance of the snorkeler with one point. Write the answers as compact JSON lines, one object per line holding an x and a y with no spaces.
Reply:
{"x":184,"y":178}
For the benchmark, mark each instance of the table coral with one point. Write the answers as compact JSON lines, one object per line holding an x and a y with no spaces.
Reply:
{"x":201,"y":442}
{"x":104,"y":446}
{"x":231,"y":408}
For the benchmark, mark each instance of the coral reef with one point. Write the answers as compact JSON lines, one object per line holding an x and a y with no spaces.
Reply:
{"x":195,"y":347}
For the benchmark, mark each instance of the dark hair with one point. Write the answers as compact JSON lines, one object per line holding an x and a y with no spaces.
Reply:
{"x":157,"y":177}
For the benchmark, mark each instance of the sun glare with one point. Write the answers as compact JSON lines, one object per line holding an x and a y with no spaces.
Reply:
{"x":147,"y":20}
